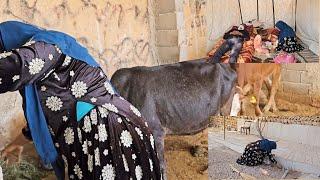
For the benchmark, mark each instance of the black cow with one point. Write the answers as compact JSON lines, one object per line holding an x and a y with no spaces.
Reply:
{"x":177,"y":98}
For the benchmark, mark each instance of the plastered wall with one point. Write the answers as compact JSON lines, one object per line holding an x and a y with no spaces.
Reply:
{"x":192,"y":27}
{"x":118,"y":33}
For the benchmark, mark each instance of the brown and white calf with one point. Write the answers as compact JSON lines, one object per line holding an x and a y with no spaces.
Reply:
{"x":253,"y":76}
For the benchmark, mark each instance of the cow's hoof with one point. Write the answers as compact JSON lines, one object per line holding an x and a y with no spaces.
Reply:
{"x":163,"y":175}
{"x":259,"y":113}
{"x":274,"y":109}
{"x":266,"y":108}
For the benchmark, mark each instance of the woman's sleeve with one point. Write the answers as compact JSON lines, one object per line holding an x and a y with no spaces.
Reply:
{"x":272,"y":159}
{"x":27,"y":65}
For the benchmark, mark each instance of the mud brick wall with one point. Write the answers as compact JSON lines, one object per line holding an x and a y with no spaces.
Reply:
{"x":301,"y":83}
{"x":218,"y":122}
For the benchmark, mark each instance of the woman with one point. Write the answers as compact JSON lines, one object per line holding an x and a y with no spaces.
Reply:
{"x":72,"y":110}
{"x":287,"y":39}
{"x":255,"y":153}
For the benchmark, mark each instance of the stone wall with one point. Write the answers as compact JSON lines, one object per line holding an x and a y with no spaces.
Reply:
{"x":301,"y":83}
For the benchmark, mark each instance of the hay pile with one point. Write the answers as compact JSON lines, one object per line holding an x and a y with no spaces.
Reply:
{"x":23,"y":170}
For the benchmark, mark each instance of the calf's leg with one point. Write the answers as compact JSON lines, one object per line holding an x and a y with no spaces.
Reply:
{"x":275,"y":84}
{"x":11,"y":149}
{"x":256,"y":91}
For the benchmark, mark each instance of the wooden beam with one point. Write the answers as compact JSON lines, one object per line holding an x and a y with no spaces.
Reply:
{"x":274,"y":17}
{"x":240,"y":11}
{"x":258,"y":10}
{"x":295,"y":16}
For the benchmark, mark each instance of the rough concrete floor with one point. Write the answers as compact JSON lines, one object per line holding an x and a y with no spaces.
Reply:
{"x":221,"y":157}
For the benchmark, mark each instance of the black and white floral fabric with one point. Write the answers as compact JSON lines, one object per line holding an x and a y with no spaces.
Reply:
{"x":111,"y":141}
{"x":290,"y":45}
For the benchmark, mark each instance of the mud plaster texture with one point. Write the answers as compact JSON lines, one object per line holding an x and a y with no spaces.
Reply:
{"x":193,"y":30}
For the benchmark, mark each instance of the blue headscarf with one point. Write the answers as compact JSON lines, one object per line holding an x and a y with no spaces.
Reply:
{"x":14,"y":34}
{"x":285,"y":31}
{"x":267,"y":145}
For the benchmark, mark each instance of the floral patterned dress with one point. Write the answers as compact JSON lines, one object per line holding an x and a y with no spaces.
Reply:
{"x":253,"y":155}
{"x":111,"y":141}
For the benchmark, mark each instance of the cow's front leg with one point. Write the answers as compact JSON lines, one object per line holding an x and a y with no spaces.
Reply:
{"x":159,"y":135}
{"x":160,"y":148}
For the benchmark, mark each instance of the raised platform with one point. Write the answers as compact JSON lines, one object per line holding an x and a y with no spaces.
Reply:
{"x":291,"y":155}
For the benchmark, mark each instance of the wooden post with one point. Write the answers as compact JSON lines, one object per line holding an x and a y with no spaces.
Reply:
{"x":224,"y":128}
{"x":258,"y":10}
{"x":240,"y":11}
{"x":274,"y":17}
{"x":295,"y":16}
